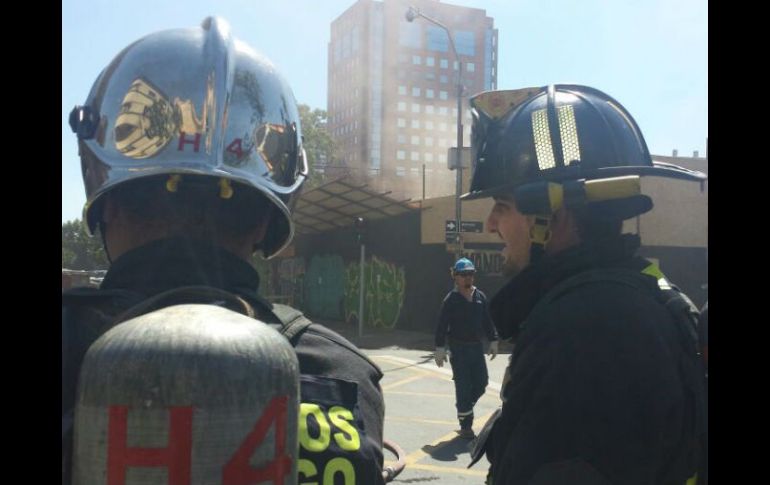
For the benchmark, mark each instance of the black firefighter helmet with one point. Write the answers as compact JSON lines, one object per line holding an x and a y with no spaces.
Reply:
{"x":561,"y":145}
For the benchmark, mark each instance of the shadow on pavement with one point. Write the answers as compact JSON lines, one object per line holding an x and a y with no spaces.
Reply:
{"x":448,"y":450}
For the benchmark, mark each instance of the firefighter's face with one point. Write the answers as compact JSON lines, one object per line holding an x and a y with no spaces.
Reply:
{"x":513,"y":228}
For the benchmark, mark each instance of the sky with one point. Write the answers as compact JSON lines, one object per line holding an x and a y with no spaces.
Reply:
{"x":650,"y":55}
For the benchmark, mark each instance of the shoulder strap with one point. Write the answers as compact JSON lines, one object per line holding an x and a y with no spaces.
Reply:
{"x":617,"y":275}
{"x":621,"y":276}
{"x":189,"y":294}
{"x":293,"y":321}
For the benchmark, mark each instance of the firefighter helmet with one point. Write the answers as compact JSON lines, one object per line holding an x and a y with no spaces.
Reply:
{"x":199,"y":102}
{"x":532,"y":138}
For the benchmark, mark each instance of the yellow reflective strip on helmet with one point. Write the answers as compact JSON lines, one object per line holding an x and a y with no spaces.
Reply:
{"x":542,"y":138}
{"x":613,"y":188}
{"x":570,"y":143}
{"x":540,"y":232}
{"x":172,"y":184}
{"x":225,"y":189}
{"x":555,"y":196}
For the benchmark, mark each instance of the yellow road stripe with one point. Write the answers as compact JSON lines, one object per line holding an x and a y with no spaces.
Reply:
{"x":417,"y":420}
{"x":403,"y":381}
{"x":418,"y":455}
{"x":431,"y":394}
{"x":490,"y":394}
{"x":416,"y":367}
{"x":493,"y":389}
{"x":441,"y":469}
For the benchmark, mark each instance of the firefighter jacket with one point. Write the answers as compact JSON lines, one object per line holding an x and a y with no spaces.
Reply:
{"x":603,"y":385}
{"x":334,"y":373}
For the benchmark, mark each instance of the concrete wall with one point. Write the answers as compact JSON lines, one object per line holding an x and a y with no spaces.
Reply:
{"x":407,"y":260}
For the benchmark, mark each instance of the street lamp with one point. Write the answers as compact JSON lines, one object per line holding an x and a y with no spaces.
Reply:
{"x":412,"y":14}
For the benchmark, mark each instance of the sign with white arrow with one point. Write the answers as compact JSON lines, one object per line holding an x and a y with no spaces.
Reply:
{"x":467,"y":226}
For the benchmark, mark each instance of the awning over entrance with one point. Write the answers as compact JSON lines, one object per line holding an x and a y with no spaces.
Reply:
{"x":336,"y":204}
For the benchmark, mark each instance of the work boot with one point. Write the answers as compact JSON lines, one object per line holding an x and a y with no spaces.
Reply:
{"x":466,"y":433}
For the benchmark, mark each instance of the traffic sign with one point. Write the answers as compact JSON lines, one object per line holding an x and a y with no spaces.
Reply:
{"x":467,"y":226}
{"x":472,"y":226}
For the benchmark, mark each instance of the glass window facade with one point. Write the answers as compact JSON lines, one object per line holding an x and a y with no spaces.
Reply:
{"x":437,"y":39}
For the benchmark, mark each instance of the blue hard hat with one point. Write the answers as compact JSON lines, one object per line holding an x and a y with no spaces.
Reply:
{"x":463,"y":265}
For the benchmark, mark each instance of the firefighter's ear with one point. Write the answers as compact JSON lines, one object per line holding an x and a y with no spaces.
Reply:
{"x":564,"y":231}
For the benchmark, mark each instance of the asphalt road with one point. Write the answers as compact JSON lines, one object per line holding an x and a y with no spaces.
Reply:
{"x":420,"y":416}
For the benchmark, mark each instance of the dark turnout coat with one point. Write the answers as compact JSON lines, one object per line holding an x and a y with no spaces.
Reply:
{"x":334,"y":373}
{"x":604,"y":381}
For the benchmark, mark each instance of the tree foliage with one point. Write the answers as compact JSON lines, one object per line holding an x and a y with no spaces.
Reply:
{"x":79,"y":250}
{"x":317,"y":141}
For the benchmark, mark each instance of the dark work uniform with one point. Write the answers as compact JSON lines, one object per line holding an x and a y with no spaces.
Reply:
{"x":464,"y":323}
{"x":602,"y":387}
{"x":333,"y":371}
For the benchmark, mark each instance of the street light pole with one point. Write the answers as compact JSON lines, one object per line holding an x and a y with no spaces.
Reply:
{"x":459,"y":168}
{"x":412,"y":14}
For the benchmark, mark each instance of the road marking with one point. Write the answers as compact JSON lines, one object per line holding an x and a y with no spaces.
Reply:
{"x":495,"y":386}
{"x":441,"y":469}
{"x":404,"y":381}
{"x":418,"y":455}
{"x":429,"y":394}
{"x":418,"y":420}
{"x":415,"y":459}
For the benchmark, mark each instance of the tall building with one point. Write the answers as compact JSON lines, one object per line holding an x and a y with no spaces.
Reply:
{"x":392,"y":102}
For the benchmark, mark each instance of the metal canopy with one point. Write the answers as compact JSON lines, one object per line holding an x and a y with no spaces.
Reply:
{"x":336,"y":204}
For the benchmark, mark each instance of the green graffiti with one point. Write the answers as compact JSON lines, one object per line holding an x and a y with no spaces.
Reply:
{"x":324,"y":285}
{"x":290,"y":275}
{"x":384,"y":285}
{"x":281,"y":280}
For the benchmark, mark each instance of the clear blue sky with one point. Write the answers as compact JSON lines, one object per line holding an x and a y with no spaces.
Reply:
{"x":651,"y":55}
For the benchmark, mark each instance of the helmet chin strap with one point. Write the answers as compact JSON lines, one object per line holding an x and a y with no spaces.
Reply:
{"x":539,"y":235}
{"x":104,"y":241}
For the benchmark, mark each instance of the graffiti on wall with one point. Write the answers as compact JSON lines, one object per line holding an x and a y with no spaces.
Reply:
{"x":384,"y":289}
{"x":325,"y":287}
{"x":291,"y":276}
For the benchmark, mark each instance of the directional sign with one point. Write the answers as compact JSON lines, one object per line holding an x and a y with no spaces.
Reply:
{"x":452,"y":237}
{"x":467,"y":226}
{"x":472,"y":226}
